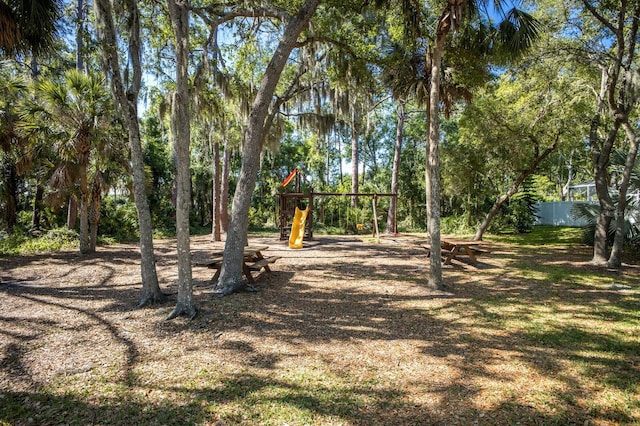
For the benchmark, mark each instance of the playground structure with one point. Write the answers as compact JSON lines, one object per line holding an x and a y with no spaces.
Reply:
{"x":290,"y":202}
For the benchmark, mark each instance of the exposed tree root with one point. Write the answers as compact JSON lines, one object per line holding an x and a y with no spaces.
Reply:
{"x":599,"y":263}
{"x":614,"y":265}
{"x":233,"y":287}
{"x":188,"y":311}
{"x":151,"y":298}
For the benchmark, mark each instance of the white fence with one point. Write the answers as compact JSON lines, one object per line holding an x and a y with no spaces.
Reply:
{"x":558,"y":213}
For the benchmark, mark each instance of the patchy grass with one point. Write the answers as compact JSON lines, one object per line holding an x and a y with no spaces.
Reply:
{"x":51,"y":241}
{"x":542,"y":235}
{"x":342,"y":332}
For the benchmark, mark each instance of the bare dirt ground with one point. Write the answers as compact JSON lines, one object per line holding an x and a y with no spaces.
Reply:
{"x":343,"y":331}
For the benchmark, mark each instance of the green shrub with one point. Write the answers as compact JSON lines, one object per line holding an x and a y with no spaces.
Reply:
{"x":163,"y":217}
{"x":119,"y":219}
{"x":589,"y":213}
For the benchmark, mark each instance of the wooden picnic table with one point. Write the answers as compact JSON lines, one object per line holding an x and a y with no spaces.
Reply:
{"x":456,"y":247}
{"x":452,"y":248}
{"x":253,"y":260}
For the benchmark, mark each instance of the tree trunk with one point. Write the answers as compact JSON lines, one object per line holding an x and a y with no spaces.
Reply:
{"x":38,"y":203}
{"x":626,"y":103}
{"x":354,"y":157}
{"x":80,"y":35}
{"x":600,"y":164}
{"x":570,"y":175}
{"x":340,"y":158}
{"x":224,"y":190}
{"x":215,"y":202}
{"x":514,"y":188}
{"x":85,"y":246}
{"x":393,"y":204}
{"x":616,"y":88}
{"x":10,"y":195}
{"x":181,"y":131}
{"x":128,"y":102}
{"x":231,"y":277}
{"x":615,"y":258}
{"x":433,"y":164}
{"x":72,"y":212}
{"x":94,"y":213}
{"x":601,"y":157}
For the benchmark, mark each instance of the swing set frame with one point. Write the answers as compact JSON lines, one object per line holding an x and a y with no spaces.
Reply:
{"x":289,"y":201}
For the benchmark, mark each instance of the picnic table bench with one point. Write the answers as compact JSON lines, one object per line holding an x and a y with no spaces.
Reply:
{"x":253,"y":260}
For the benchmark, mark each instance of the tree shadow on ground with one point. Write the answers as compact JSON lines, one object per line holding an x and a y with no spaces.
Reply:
{"x":469,"y":328}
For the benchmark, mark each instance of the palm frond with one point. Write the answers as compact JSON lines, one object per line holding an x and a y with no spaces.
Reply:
{"x":517,"y":33}
{"x":28,"y":25}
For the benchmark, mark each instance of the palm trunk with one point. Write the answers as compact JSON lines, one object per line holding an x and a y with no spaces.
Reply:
{"x":38,"y":203}
{"x":393,"y":204}
{"x":231,"y":277}
{"x":85,"y":246}
{"x":128,"y":103}
{"x":72,"y":212}
{"x":94,"y":213}
{"x":10,"y":194}
{"x":449,"y":19}
{"x":433,"y":165}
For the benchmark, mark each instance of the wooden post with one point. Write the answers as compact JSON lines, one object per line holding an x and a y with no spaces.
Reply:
{"x":395,"y":215}
{"x":310,"y":215}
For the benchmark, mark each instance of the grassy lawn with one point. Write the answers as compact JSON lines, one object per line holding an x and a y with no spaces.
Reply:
{"x":342,"y":333}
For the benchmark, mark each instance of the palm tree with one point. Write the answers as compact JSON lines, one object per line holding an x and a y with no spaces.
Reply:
{"x":403,"y":82}
{"x":75,"y":111}
{"x":27,"y":25}
{"x":109,"y":162}
{"x":512,"y":36}
{"x":13,"y":89}
{"x":478,"y":40}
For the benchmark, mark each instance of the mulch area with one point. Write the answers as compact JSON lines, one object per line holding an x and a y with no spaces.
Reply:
{"x":355,"y":311}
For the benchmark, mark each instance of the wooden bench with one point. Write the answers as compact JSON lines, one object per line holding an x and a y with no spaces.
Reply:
{"x":479,"y":251}
{"x":263,"y":263}
{"x":443,"y":252}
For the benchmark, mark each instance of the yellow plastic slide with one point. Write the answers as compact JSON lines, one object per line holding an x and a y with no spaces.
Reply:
{"x":297,"y":228}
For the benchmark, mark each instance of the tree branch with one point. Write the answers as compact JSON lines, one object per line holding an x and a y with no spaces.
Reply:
{"x":226,"y":13}
{"x":599,"y":17}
